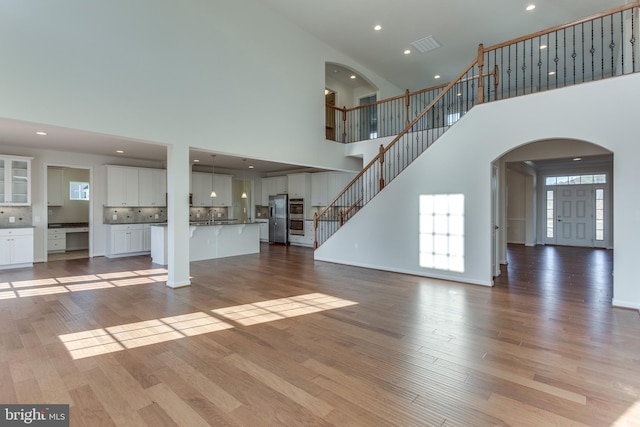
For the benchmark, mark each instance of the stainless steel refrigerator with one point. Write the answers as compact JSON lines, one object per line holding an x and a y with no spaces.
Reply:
{"x":279,"y":219}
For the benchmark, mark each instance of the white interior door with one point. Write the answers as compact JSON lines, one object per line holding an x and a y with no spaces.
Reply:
{"x":575,"y":222}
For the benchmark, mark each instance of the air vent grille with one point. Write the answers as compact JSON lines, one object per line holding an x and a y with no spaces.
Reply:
{"x":426,"y":44}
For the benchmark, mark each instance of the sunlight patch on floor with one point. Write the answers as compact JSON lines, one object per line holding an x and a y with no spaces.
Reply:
{"x":90,"y":282}
{"x":131,"y":335}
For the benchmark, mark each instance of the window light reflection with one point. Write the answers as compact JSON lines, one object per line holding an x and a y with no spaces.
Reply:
{"x":57,"y":285}
{"x":116,"y":338}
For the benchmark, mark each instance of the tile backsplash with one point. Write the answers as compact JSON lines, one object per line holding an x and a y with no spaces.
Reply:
{"x":20,"y":214}
{"x":205,"y":214}
{"x":133,"y":215}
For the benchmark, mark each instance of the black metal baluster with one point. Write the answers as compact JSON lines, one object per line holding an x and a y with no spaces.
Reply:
{"x":582,"y":29}
{"x":633,"y":39}
{"x":622,"y":70}
{"x":574,"y":54}
{"x":564,"y":57}
{"x":612,"y":46}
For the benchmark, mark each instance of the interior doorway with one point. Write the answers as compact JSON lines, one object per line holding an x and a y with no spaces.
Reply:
{"x":68,"y":213}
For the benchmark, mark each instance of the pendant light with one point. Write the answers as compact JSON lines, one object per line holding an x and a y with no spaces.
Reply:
{"x":244,"y":181}
{"x":213,"y":190}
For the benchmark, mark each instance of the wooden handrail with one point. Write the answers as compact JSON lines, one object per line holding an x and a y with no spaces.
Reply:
{"x":564,"y":26}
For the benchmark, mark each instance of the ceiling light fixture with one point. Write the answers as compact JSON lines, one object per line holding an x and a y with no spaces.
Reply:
{"x":407,"y":52}
{"x":119,"y":151}
{"x":196,"y":161}
{"x":437,"y":76}
{"x":377,"y":27}
{"x":41,"y":133}
{"x":577,"y":159}
{"x":353,"y":76}
{"x":551,"y":73}
{"x":544,"y":46}
{"x":530,"y":7}
{"x":251,"y":166}
{"x":213,"y":191}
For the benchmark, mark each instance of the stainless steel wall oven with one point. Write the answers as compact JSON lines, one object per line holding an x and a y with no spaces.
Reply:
{"x":296,"y":217}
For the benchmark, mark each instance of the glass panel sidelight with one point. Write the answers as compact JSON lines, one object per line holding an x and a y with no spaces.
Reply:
{"x":599,"y":214}
{"x":550,"y":214}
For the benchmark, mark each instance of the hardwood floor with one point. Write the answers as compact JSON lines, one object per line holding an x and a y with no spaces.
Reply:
{"x":276,"y":339}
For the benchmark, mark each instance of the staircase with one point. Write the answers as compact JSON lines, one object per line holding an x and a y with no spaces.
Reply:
{"x":591,"y":49}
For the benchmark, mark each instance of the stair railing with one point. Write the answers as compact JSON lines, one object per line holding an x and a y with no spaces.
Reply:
{"x":451,"y":103}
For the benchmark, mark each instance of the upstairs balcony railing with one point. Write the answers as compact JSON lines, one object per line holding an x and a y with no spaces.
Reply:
{"x":594,"y":48}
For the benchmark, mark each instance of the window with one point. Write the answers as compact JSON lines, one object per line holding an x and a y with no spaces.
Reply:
{"x":576,"y":179}
{"x":442,"y":232}
{"x":599,"y":214}
{"x":549,"y":215}
{"x":78,"y":190}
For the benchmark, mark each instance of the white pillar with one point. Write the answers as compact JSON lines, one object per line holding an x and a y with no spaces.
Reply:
{"x":178,"y":176}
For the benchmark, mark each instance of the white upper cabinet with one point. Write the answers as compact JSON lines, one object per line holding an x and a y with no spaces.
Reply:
{"x":131,"y":186}
{"x":299,"y":185}
{"x":274,"y":185}
{"x":202,"y":184}
{"x":122,"y":186}
{"x":55,"y":187}
{"x":152,"y":187}
{"x":15,"y":181}
{"x":325,"y":186}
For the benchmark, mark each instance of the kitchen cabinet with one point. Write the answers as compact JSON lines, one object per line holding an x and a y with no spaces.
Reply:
{"x":146,"y":239}
{"x":16,"y":247}
{"x":125,"y":239}
{"x":55,"y":187}
{"x":299,"y":185}
{"x":273,"y":185}
{"x":56,"y":240}
{"x":325,"y":186}
{"x":122,"y":186}
{"x":152,"y":187}
{"x":15,"y":181}
{"x":222,"y":184}
{"x":201,"y":185}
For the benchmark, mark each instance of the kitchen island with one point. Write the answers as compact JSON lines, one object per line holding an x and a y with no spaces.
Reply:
{"x":210,"y":241}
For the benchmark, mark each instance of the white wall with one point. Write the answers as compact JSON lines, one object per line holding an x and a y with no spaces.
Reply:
{"x":384,"y":234}
{"x":230,"y":76}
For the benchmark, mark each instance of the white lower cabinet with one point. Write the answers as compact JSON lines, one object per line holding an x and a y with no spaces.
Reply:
{"x":147,"y":237}
{"x":56,"y":240}
{"x":16,"y":247}
{"x":125,"y":240}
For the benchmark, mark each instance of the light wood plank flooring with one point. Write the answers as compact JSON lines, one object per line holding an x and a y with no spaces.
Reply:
{"x":276,"y":339}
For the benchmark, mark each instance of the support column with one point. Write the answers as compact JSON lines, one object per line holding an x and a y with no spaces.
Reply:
{"x":178,"y":176}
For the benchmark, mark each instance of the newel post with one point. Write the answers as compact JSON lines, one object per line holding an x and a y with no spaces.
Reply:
{"x":407,"y":103}
{"x":480,"y":79}
{"x":315,"y":230}
{"x":381,"y":157}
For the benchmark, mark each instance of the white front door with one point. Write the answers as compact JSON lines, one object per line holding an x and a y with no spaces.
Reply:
{"x":575,"y":222}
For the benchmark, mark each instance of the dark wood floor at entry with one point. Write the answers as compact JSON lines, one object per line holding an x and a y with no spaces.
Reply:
{"x":277,"y":339}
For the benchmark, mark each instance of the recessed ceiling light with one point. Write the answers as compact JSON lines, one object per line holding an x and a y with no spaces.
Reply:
{"x":577,"y":159}
{"x":551,"y":73}
{"x":119,"y":151}
{"x":407,"y":52}
{"x":41,"y":133}
{"x":251,"y":166}
{"x":377,"y":27}
{"x":437,"y":76}
{"x":531,"y":7}
{"x":196,"y":161}
{"x":459,"y":94}
{"x":544,"y":46}
{"x":353,"y":76}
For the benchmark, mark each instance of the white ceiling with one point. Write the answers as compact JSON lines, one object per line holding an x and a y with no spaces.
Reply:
{"x":347,"y":25}
{"x":459,"y":26}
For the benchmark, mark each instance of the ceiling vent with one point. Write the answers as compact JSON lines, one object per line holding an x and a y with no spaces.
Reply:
{"x":426,"y":44}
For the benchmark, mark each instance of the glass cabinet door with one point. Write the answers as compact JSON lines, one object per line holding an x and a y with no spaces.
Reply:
{"x":19,"y":181}
{"x":2,"y":181}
